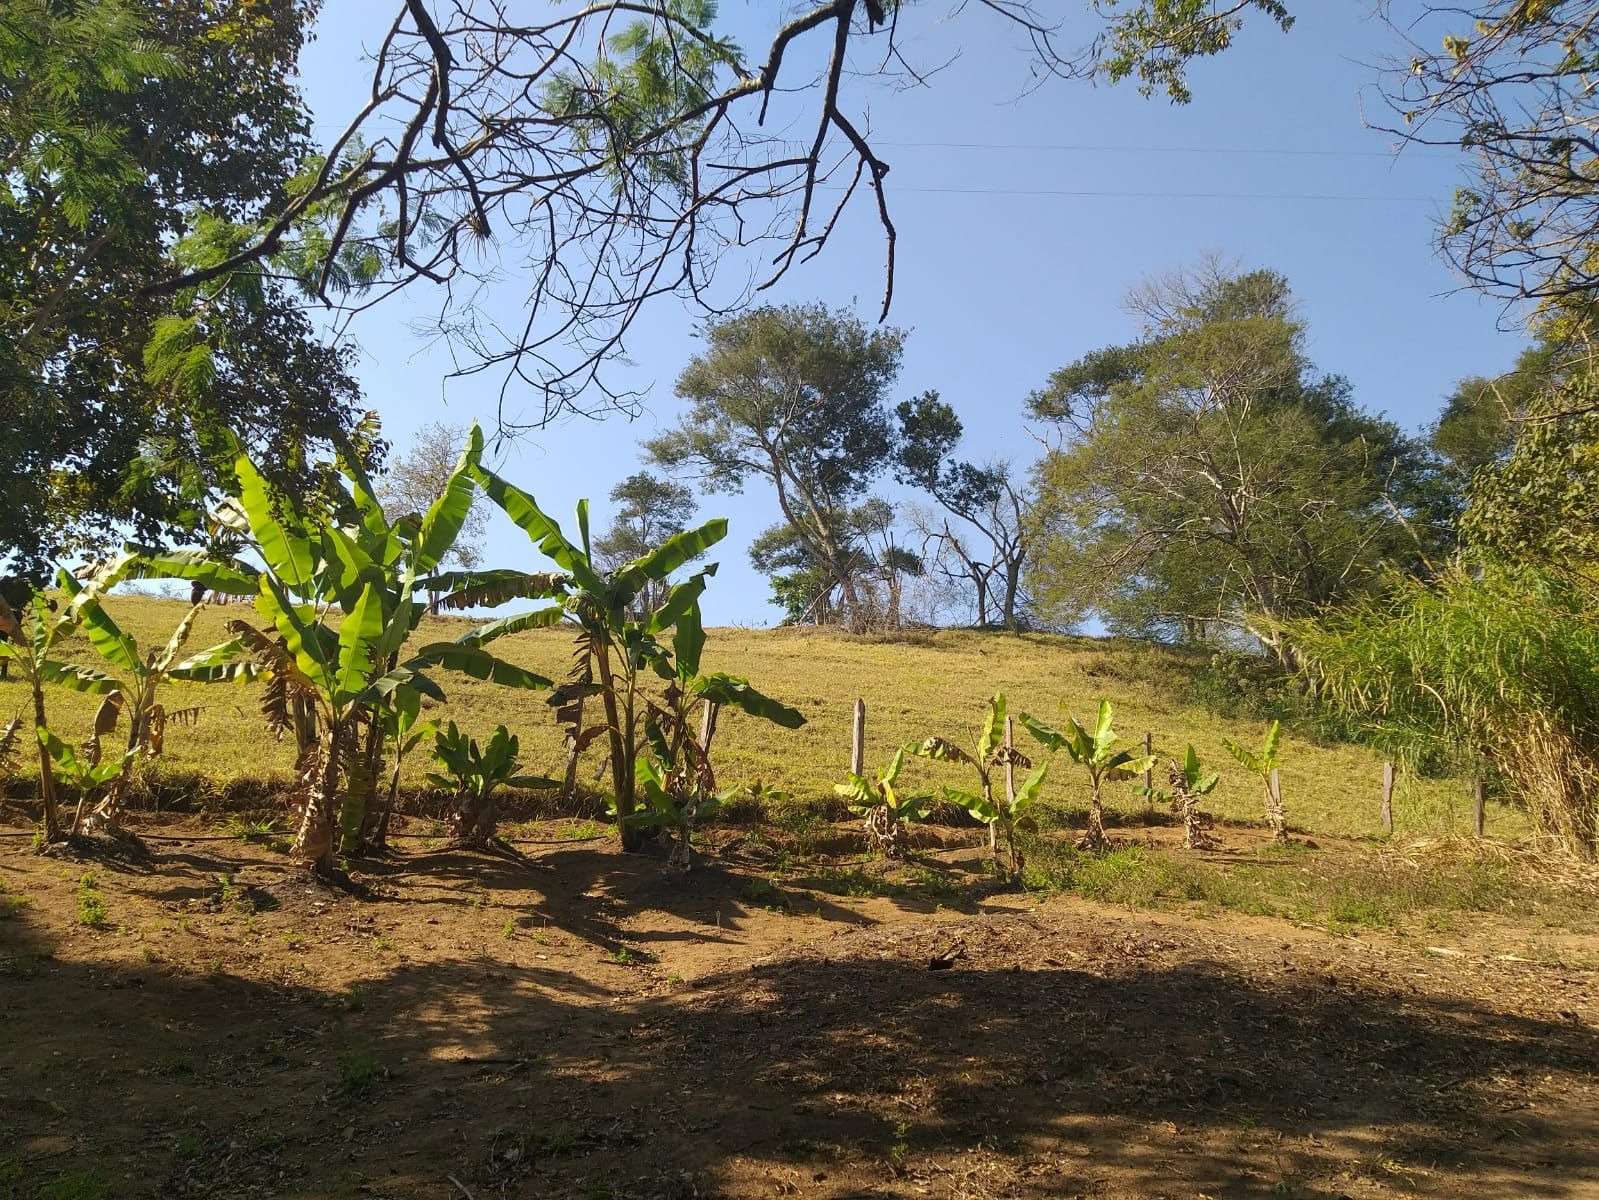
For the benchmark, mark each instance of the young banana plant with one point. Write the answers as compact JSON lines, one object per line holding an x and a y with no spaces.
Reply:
{"x":617,"y":647}
{"x":884,"y":810}
{"x":1264,"y":764}
{"x":1189,"y":784}
{"x":30,"y":641}
{"x":1006,"y":812}
{"x":1097,"y":754}
{"x":473,"y":774}
{"x":677,"y":781}
{"x":131,"y":684}
{"x":87,"y":776}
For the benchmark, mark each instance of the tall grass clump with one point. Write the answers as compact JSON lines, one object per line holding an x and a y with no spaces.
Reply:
{"x":1495,"y":662}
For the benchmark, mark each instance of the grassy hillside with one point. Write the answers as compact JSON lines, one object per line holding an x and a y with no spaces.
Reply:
{"x":923,"y":685}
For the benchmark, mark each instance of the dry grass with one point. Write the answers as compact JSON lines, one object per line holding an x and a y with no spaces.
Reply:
{"x":934,"y":683}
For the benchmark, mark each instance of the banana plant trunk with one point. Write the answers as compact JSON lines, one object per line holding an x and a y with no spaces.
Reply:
{"x":622,"y":782}
{"x":1094,"y":838}
{"x":313,"y":841}
{"x":47,"y":779}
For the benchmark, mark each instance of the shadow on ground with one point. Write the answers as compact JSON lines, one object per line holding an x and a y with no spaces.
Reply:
{"x":1058,"y":1055}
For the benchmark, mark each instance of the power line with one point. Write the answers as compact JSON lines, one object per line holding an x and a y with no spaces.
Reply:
{"x":1282,"y":151}
{"x":1082,"y":192}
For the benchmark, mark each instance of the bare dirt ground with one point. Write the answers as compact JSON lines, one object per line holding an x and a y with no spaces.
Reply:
{"x":589,"y":1026}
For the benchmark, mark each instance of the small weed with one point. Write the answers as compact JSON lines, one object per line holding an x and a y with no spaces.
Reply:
{"x":295,"y":941}
{"x":83,"y":1185}
{"x":358,"y":1071}
{"x":380,"y":944}
{"x":10,"y":906}
{"x":675,"y":980}
{"x":623,"y":957}
{"x":763,"y":892}
{"x":91,"y":904}
{"x":150,"y":956}
{"x":508,"y":931}
{"x":900,"y":1150}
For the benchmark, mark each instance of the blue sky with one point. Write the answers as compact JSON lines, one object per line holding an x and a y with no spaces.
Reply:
{"x":1022,"y":222}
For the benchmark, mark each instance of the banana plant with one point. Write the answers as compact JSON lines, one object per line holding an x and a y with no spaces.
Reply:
{"x":678,"y":783}
{"x":618,"y":648}
{"x":405,"y":730}
{"x":31,"y":637}
{"x":355,"y":563}
{"x":1190,"y":783}
{"x":884,"y":810}
{"x":131,"y":686}
{"x":1006,"y":812}
{"x":1263,"y":763}
{"x":86,"y":775}
{"x":473,"y":774}
{"x":1097,"y":754}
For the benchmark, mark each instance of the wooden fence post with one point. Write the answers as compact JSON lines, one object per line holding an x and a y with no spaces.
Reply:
{"x":1388,"y":797}
{"x":1479,"y":796}
{"x":1149,"y":774}
{"x":857,"y":757}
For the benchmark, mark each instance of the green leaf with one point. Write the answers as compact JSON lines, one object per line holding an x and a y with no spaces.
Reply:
{"x":477,"y":663}
{"x":1028,"y":792}
{"x":311,"y":644}
{"x":671,"y":554}
{"x":978,"y":806}
{"x":489,"y":589}
{"x":583,"y":528}
{"x":678,"y":601}
{"x":1051,"y":739}
{"x":538,"y":618}
{"x":229,"y":578}
{"x":59,"y":752}
{"x":363,"y":626}
{"x":285,"y":548}
{"x":889,"y":776}
{"x":79,"y":679}
{"x":993,"y":734}
{"x":1191,"y":767}
{"x":442,"y":523}
{"x":1244,"y":756}
{"x":1273,"y":737}
{"x":736,"y":692}
{"x":688,"y":641}
{"x":525,"y":512}
{"x":116,"y":647}
{"x":1104,"y":735}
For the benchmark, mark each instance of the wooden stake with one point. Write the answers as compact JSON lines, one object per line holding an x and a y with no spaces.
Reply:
{"x":1479,"y":796}
{"x":1149,"y":773}
{"x":1388,"y":797}
{"x":708,"y":725}
{"x":857,"y":757}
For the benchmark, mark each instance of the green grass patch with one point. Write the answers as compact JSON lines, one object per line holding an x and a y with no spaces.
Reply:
{"x":1343,"y":892}
{"x":92,"y":912}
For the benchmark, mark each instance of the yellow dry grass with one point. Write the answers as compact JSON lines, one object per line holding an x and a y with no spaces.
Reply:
{"x":934,"y":683}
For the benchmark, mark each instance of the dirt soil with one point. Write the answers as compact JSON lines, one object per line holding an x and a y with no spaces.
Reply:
{"x":587,"y":1025}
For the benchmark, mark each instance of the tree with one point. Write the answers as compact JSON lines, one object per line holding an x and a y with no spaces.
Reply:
{"x":1206,"y":480}
{"x":627,"y":149}
{"x":795,"y":396}
{"x":124,"y":126}
{"x":1510,"y":83}
{"x":651,"y":510}
{"x":415,"y":479}
{"x":988,"y":547}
